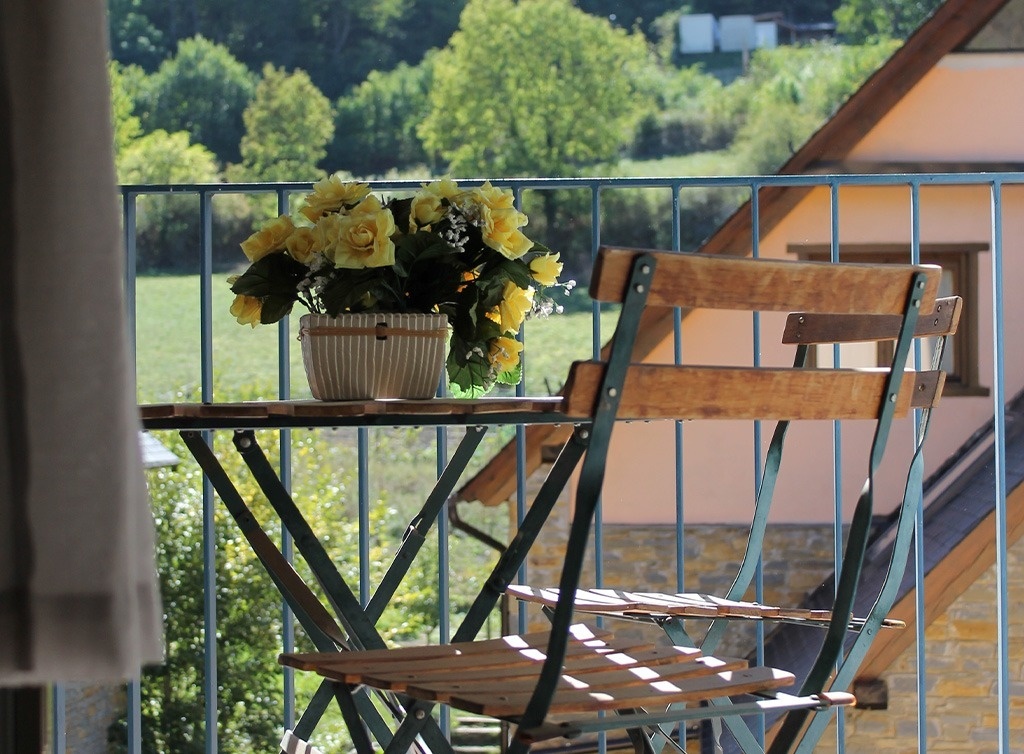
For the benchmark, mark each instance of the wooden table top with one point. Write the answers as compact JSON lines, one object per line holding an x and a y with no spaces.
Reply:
{"x":380,"y":412}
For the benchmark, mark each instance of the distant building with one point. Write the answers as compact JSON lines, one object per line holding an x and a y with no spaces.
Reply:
{"x":698,"y":33}
{"x":702,"y":33}
{"x":737,"y":33}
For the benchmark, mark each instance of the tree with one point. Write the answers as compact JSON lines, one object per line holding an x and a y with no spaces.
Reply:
{"x":860,"y":21}
{"x":338,"y":42}
{"x":134,"y":39}
{"x":376,"y":123}
{"x":789,"y":92}
{"x":534,"y":88}
{"x":249,"y":694}
{"x":202,"y":90}
{"x":127,"y":127}
{"x":167,"y":234}
{"x":287,"y":128}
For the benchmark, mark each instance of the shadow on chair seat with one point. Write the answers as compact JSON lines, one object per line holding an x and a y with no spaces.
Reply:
{"x":497,"y":677}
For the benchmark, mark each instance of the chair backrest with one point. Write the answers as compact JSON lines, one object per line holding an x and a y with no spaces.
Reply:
{"x":837,"y":303}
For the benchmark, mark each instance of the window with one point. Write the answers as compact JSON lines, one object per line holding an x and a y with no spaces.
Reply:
{"x":959,"y":264}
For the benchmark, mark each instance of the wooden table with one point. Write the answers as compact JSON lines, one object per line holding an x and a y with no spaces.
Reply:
{"x":345,"y":623}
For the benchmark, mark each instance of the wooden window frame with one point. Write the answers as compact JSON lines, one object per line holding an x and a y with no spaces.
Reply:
{"x":961,"y":260}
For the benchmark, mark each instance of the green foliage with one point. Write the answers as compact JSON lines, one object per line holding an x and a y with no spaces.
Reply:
{"x":791,"y":91}
{"x":168,"y":224}
{"x":202,"y":90}
{"x":866,"y":21}
{"x":248,"y":627}
{"x":554,"y":90}
{"x":375,"y":125}
{"x":161,"y":157}
{"x":287,"y":128}
{"x":134,"y":39}
{"x":802,"y":10}
{"x":338,"y":41}
{"x":629,"y":15}
{"x":126,"y":124}
{"x":685,"y":121}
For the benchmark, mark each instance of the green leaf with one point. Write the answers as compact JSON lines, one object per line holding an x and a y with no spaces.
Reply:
{"x":273,"y":275}
{"x":275,"y":308}
{"x":517,"y":272}
{"x":469,"y":373}
{"x":512,"y":376}
{"x":346,"y":290}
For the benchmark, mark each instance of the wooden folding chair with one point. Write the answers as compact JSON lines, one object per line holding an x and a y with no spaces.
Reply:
{"x":574,"y":679}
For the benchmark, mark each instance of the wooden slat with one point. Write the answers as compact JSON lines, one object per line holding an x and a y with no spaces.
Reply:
{"x":719,"y":282}
{"x":810,"y":328}
{"x":584,"y":667}
{"x":658,"y":391}
{"x":657,"y":605}
{"x":610,"y":678}
{"x":646,"y":655}
{"x":729,"y":683}
{"x":464,"y":652}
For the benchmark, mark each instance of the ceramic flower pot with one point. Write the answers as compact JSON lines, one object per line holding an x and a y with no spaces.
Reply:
{"x":363,"y":356}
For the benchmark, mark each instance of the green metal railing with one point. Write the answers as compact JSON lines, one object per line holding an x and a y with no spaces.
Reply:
{"x":674,"y":228}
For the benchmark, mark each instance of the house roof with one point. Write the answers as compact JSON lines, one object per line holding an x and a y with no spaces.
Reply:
{"x":955,"y":25}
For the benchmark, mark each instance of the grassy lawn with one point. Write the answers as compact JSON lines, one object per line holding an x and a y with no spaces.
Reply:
{"x":244,"y":359}
{"x":697,"y":164}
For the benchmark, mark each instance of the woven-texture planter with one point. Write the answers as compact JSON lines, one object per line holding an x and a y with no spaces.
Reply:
{"x":363,"y":356}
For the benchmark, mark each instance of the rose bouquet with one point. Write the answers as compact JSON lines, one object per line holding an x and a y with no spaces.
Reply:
{"x":446,"y":250}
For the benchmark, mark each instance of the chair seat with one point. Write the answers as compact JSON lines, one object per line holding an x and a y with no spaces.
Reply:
{"x":658,"y":605}
{"x":496,"y":677}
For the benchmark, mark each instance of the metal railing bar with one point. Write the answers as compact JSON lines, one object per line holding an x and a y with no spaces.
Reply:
{"x":755,"y":184}
{"x":999,"y":408}
{"x":919,"y":555}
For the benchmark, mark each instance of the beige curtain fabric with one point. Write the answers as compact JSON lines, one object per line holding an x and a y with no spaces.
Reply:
{"x":78,"y":589}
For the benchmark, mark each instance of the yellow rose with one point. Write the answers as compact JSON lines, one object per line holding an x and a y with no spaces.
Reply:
{"x":504,"y":354}
{"x":326,"y":233}
{"x":364,"y":236}
{"x":546,"y":269}
{"x":500,"y":231}
{"x":494,"y":198}
{"x":246,"y":309}
{"x":425,"y":210}
{"x":445,"y":188}
{"x":302,"y":244}
{"x":426,"y":207}
{"x":515,"y":305}
{"x":269,"y":238}
{"x":331,"y":194}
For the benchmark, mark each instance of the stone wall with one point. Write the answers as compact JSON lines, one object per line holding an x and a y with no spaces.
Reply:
{"x":89,"y":712}
{"x":961,"y":679}
{"x":797,"y":558}
{"x":960,"y":644}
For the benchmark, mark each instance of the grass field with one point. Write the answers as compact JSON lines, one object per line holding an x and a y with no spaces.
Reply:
{"x":244,"y":360}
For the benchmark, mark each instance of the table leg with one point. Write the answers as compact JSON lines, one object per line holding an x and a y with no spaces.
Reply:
{"x":504,"y":571}
{"x":321,"y":627}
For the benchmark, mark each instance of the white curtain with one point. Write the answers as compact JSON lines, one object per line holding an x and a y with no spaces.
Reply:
{"x":78,"y":590}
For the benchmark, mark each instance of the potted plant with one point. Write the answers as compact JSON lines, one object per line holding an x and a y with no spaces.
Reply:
{"x":402,"y":277}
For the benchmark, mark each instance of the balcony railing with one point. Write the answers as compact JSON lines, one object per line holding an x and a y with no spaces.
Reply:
{"x":972,"y":220}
